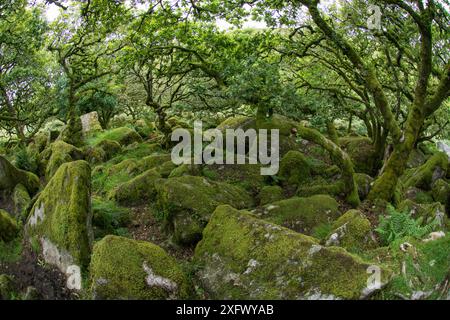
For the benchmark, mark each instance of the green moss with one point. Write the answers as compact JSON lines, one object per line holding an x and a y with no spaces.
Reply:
{"x":10,"y":176}
{"x":127,"y":269}
{"x":428,"y":213}
{"x":242,"y":122}
{"x":294,"y":168}
{"x":423,"y":177}
{"x":108,"y":217}
{"x":363,"y":181}
{"x":269,"y":194}
{"x":137,"y":190}
{"x":353,"y":232}
{"x":422,"y":268}
{"x":362,"y":153}
{"x":9,"y":228}
{"x":58,"y":153}
{"x":110,"y":147}
{"x":73,"y":132}
{"x":21,"y":200}
{"x":301,"y":214}
{"x":242,"y":257}
{"x":247,"y":176}
{"x":7,"y":288}
{"x":441,"y":192}
{"x":62,"y":212}
{"x":186,"y":170}
{"x":282,"y":123}
{"x":124,"y":135}
{"x":185,"y":200}
{"x":11,"y":251}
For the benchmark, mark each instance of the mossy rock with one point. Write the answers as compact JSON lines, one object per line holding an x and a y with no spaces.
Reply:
{"x":7,"y":288}
{"x":423,"y":177}
{"x":247,"y":176}
{"x":301,"y":214}
{"x":72,"y":132}
{"x":124,"y":135}
{"x":166,"y":168}
{"x":269,"y":194}
{"x":154,"y":161}
{"x":109,"y":218}
{"x":363,"y":181}
{"x":138,"y":190}
{"x":21,"y":199}
{"x":186,"y":203}
{"x":429,"y":212}
{"x":40,"y":141}
{"x":353,"y":232}
{"x":110,"y":147}
{"x":294,"y":168}
{"x":282,"y":123}
{"x":10,"y":176}
{"x":362,"y":153}
{"x":421,"y":271}
{"x":144,"y":128}
{"x":9,"y":229}
{"x":95,"y":155}
{"x":416,"y":159}
{"x":441,"y":193}
{"x":418,"y":195}
{"x":242,"y":257}
{"x":122,"y":268}
{"x":186,"y":170}
{"x":61,"y":218}
{"x":58,"y":153}
{"x":238,"y":122}
{"x":128,"y":166}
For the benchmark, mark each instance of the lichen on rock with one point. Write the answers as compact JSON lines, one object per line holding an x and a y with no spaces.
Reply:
{"x":9,"y":228}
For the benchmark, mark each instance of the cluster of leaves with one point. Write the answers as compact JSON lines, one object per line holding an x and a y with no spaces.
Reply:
{"x":397,"y":225}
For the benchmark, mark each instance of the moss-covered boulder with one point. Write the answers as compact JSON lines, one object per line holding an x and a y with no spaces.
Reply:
{"x":186,"y":170}
{"x":110,"y":147}
{"x":186,"y":203}
{"x":72,"y":133}
{"x":21,"y":199}
{"x":247,"y":176}
{"x":95,"y":155}
{"x":58,"y":153}
{"x":122,"y":268}
{"x":428,"y":212}
{"x":242,"y":257}
{"x":7,"y":288}
{"x":294,"y":168}
{"x":128,"y":166}
{"x":416,"y":159}
{"x":353,"y":232}
{"x":10,"y":176}
{"x":154,"y":161}
{"x":138,"y":190}
{"x":269,"y":194}
{"x":441,"y":192}
{"x":124,"y":135}
{"x":361,"y":152}
{"x":9,"y":228}
{"x":238,"y":122}
{"x":60,"y":220}
{"x":423,"y":177}
{"x":282,"y":123}
{"x":363,"y":181}
{"x":301,"y":214}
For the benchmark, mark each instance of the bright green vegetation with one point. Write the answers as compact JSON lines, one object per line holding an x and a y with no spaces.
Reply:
{"x":398,"y":225}
{"x":89,"y":103}
{"x":126,"y":269}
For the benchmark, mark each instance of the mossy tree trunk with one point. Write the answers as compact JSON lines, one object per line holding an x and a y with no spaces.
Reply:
{"x":424,"y":102}
{"x":336,"y":153}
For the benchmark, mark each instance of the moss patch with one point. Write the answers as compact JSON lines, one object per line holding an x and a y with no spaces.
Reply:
{"x":301,"y":214}
{"x":122,"y":268}
{"x":242,"y":257}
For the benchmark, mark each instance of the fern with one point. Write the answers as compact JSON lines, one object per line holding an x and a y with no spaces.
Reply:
{"x":397,"y":225}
